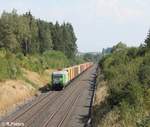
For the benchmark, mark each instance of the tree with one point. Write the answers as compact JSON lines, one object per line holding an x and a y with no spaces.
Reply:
{"x":147,"y":40}
{"x":33,"y":42}
{"x":44,"y":36}
{"x":132,"y":52}
{"x":119,"y":47}
{"x":7,"y":36}
{"x":25,"y":34}
{"x":64,"y":39}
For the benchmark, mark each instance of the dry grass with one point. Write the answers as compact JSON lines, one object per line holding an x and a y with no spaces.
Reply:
{"x":110,"y":120}
{"x":47,"y":75}
{"x":38,"y":79}
{"x":13,"y":92}
{"x":103,"y":115}
{"x":99,"y":103}
{"x":101,"y":93}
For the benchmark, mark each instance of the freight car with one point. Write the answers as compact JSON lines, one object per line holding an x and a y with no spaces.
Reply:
{"x":61,"y":78}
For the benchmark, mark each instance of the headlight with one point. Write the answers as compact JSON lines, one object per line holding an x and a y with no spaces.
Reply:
{"x":56,"y":81}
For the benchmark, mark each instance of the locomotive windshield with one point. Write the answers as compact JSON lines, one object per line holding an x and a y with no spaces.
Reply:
{"x":57,"y":78}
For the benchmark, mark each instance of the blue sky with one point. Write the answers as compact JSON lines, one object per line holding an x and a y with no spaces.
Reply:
{"x":97,"y":23}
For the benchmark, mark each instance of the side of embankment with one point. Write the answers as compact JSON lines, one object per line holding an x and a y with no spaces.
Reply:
{"x":17,"y":92}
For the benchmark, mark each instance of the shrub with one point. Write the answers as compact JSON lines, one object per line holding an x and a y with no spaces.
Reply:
{"x":145,"y":70}
{"x":132,"y":52}
{"x":144,"y":75}
{"x":145,"y":122}
{"x":126,"y":72}
{"x":55,"y":59}
{"x":9,"y":68}
{"x":11,"y":64}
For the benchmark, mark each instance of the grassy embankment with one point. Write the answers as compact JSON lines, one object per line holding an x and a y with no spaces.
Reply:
{"x":22,"y":76}
{"x":123,"y":89}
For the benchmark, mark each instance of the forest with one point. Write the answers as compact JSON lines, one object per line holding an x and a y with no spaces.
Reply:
{"x":34,"y":44}
{"x":126,"y":73}
{"x":27,"y":35}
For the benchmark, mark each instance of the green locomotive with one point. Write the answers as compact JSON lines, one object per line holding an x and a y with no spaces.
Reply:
{"x":59,"y":79}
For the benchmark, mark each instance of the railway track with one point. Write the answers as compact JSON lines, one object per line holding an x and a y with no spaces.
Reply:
{"x":53,"y":114}
{"x":15,"y":116}
{"x":55,"y":108}
{"x":70,"y":107}
{"x":50,"y":103}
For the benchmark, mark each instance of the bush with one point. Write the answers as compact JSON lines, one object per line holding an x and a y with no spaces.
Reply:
{"x":32,"y":63}
{"x":11,"y":64}
{"x":127,"y":74}
{"x":132,"y":52}
{"x":9,"y":68}
{"x":144,"y":75}
{"x":145,"y":70}
{"x":145,"y":122}
{"x":38,"y":63}
{"x":55,"y":59}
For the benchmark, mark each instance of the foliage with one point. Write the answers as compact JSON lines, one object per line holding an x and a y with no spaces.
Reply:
{"x":27,"y":35}
{"x":145,"y":122}
{"x":132,"y":52}
{"x":120,"y":46}
{"x":9,"y":68}
{"x":147,"y":40}
{"x":92,"y":57}
{"x":106,"y":51}
{"x":55,"y":59}
{"x":127,"y":73}
{"x":49,"y":59}
{"x":11,"y":64}
{"x":145,"y":70}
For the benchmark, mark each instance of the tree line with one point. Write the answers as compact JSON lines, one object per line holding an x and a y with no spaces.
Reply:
{"x":27,"y":35}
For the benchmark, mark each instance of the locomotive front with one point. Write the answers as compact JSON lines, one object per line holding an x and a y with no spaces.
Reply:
{"x":59,"y":79}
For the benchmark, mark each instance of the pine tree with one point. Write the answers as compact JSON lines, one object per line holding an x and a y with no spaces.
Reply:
{"x":44,"y":36}
{"x":147,"y":41}
{"x":7,"y":36}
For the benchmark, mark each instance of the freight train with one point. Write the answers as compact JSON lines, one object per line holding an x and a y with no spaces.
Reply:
{"x":61,"y":78}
